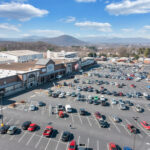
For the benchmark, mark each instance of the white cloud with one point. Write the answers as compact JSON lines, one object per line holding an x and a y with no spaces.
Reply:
{"x":68,"y":19}
{"x":20,"y":11}
{"x":46,"y":33}
{"x":85,"y":1}
{"x":8,"y":27}
{"x":127,"y":7}
{"x":147,"y":27}
{"x":103,"y":27}
{"x":127,"y":29}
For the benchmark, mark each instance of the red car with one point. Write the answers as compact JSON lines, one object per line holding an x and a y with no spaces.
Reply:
{"x":120,"y":94}
{"x":48,"y":131}
{"x":145,"y":125}
{"x":32,"y":127}
{"x":132,"y":85}
{"x":98,"y":115}
{"x":132,"y":128}
{"x":112,"y":146}
{"x":72,"y":145}
{"x":61,"y":114}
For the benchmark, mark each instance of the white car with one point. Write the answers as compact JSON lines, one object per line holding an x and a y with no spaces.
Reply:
{"x":61,"y":95}
{"x":32,"y":108}
{"x":68,"y":94}
{"x":115,"y":119}
{"x":113,"y":102}
{"x":58,"y":76}
{"x":138,"y":108}
{"x":122,"y":107}
{"x":102,"y":98}
{"x":68,"y":108}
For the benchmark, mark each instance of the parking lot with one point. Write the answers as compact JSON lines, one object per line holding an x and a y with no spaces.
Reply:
{"x":85,"y":129}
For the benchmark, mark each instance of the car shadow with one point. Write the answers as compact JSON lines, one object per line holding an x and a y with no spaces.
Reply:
{"x":74,"y":110}
{"x":71,"y":137}
{"x":54,"y":134}
{"x":37,"y":128}
{"x":18,"y":132}
{"x":66,"y":115}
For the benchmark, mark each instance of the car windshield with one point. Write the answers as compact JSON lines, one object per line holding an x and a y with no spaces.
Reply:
{"x":72,"y":146}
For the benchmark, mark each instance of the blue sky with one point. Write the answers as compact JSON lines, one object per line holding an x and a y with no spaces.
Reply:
{"x":79,"y":18}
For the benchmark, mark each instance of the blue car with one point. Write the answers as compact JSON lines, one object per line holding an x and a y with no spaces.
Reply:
{"x":127,"y":148}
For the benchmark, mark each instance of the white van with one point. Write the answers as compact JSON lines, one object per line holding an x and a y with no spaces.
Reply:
{"x":68,"y":108}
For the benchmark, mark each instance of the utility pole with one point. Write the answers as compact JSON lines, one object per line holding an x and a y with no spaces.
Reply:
{"x":1,"y":98}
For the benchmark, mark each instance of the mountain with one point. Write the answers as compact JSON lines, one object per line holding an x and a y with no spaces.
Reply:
{"x":116,"y":40}
{"x":64,"y":40}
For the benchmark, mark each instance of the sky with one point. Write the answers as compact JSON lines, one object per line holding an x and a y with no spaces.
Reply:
{"x":78,"y":18}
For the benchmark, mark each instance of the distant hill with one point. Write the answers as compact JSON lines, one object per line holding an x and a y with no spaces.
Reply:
{"x":116,"y":40}
{"x":64,"y":40}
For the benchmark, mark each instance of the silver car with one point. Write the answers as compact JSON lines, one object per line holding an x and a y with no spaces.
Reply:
{"x":115,"y":118}
{"x":12,"y":130}
{"x":32,"y":108}
{"x":122,"y":107}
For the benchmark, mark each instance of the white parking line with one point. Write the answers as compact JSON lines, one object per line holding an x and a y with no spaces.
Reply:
{"x":49,"y":110}
{"x":30,"y":139}
{"x":114,"y":124}
{"x":80,"y":118}
{"x":78,"y":140}
{"x":97,"y":145}
{"x":72,"y":118}
{"x":89,"y":121}
{"x":58,"y":141}
{"x":88,"y":142}
{"x":37,"y":144}
{"x":22,"y":137}
{"x":47,"y":143}
{"x":96,"y":121}
{"x":128,"y":121}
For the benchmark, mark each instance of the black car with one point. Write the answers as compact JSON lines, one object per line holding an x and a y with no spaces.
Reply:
{"x":55,"y":95}
{"x":97,"y":91}
{"x":96,"y":102}
{"x":82,"y":111}
{"x":25,"y":125}
{"x":4,"y":129}
{"x":66,"y":136}
{"x":128,"y":103}
{"x":103,"y":123}
{"x":90,"y":101}
{"x":40,"y":104}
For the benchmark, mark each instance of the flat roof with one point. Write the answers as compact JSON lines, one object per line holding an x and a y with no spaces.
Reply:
{"x":21,"y":52}
{"x":19,"y":66}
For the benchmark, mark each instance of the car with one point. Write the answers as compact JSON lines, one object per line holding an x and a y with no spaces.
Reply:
{"x":32,"y":127}
{"x":73,"y":94}
{"x":81,"y":147}
{"x":40,"y":104}
{"x":128,"y":103}
{"x":132,"y":128}
{"x":95,"y":102}
{"x":127,"y":148}
{"x":98,"y":115}
{"x":96,"y":98}
{"x":72,"y":145}
{"x":68,"y":94}
{"x":113,"y":102}
{"x":61,"y":95}
{"x":103,"y":124}
{"x":4,"y":129}
{"x":121,"y":101}
{"x":48,"y":131}
{"x":132,"y":85}
{"x":112,"y":146}
{"x":138,"y":108}
{"x":60,"y":107}
{"x":26,"y":125}
{"x":82,"y":111}
{"x":122,"y":107}
{"x":145,"y":125}
{"x":66,"y":136}
{"x":115,"y":118}
{"x":55,"y":95}
{"x":12,"y":130}
{"x":104,"y":103}
{"x":58,"y":76}
{"x":61,"y":114}
{"x":32,"y":108}
{"x":90,"y":101}
{"x":68,"y":108}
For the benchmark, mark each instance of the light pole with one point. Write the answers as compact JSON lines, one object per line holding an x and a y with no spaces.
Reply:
{"x":1,"y":98}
